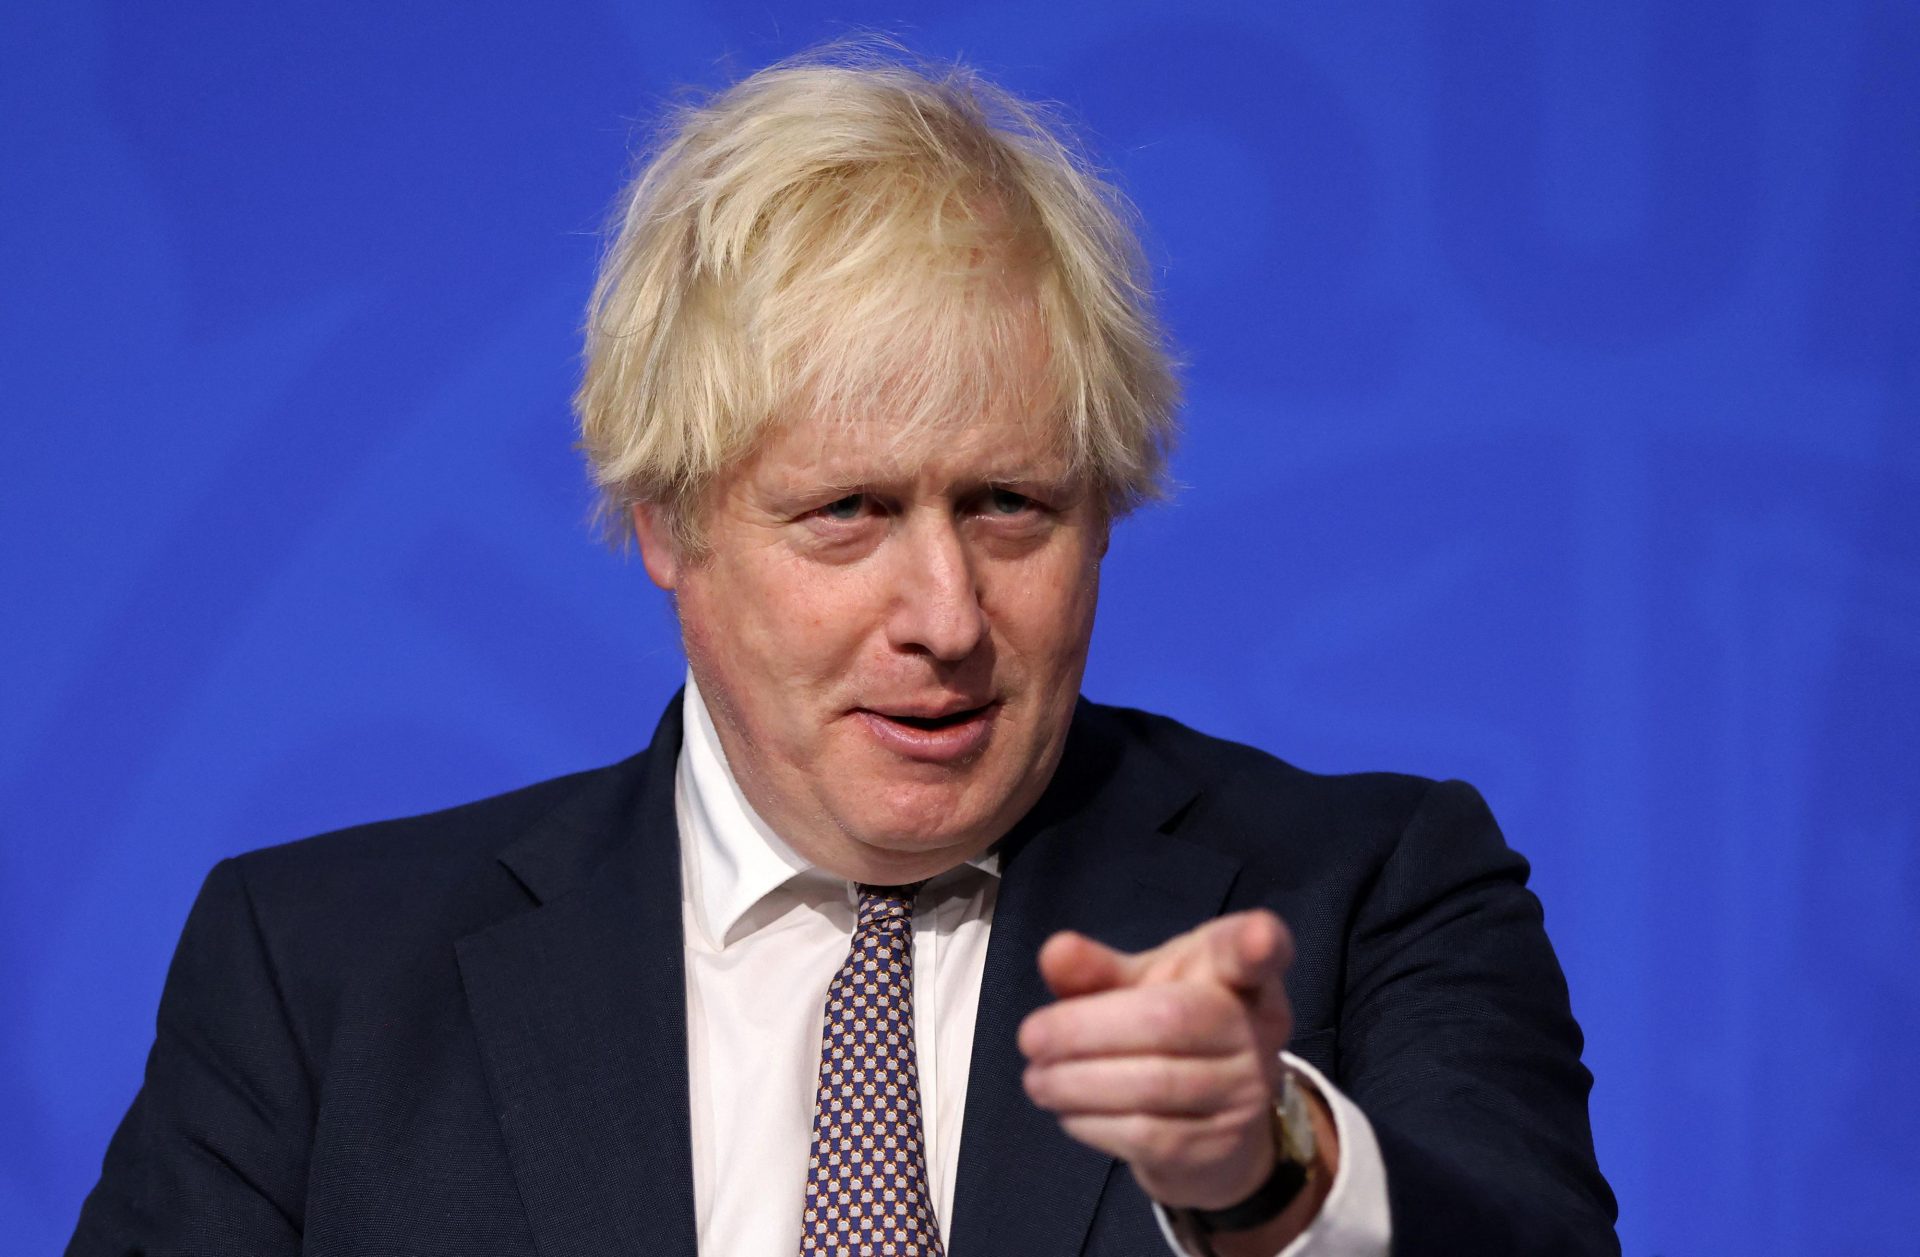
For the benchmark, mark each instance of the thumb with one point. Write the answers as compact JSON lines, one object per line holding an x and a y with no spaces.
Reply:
{"x":1073,"y":964}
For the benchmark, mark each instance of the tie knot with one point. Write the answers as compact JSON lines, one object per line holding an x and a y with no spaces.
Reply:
{"x":886,"y":905}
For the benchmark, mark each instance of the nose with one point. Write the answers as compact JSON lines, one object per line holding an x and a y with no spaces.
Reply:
{"x":936,"y":607}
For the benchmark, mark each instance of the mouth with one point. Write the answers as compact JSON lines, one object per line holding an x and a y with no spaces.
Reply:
{"x":944,"y":721}
{"x":930,"y":735}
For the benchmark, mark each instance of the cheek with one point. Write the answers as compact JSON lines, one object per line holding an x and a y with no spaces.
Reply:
{"x":768,"y":628}
{"x":1047,"y":618}
{"x":1048,"y":626}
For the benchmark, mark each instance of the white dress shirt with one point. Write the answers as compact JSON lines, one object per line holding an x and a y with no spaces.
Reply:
{"x":765,"y":932}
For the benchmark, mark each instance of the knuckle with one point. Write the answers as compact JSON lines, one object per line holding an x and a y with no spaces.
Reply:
{"x":1206,"y":1005}
{"x":1251,"y":1097}
{"x":1164,"y":1011}
{"x":1031,"y":1035}
{"x":1157,"y":1140}
{"x":1167,"y":1082}
{"x":1093,"y":1134}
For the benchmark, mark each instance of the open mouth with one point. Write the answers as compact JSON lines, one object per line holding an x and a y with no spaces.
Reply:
{"x":931,"y":723}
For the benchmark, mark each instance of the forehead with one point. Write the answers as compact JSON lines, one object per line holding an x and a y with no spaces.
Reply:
{"x":877,"y":449}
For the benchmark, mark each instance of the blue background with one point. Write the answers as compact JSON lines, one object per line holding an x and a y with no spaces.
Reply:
{"x":1552,"y":424}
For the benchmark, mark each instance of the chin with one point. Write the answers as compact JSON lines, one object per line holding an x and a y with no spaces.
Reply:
{"x":921,"y":823}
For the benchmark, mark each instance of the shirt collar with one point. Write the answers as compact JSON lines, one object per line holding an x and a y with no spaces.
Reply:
{"x":736,"y":858}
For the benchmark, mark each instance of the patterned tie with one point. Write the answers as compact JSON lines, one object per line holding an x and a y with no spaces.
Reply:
{"x":867,"y":1190}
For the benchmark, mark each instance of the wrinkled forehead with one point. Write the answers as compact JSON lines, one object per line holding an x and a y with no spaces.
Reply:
{"x":876,"y":451}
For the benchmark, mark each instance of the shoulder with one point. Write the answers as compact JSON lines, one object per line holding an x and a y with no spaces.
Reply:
{"x":342,"y":901}
{"x":1352,"y":830}
{"x":1238,"y":775}
{"x":416,"y":853}
{"x":1357,"y":864}
{"x":369,"y":916}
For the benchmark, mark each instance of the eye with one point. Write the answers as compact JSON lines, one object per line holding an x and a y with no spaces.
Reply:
{"x":1007,"y":502}
{"x":845,"y":510}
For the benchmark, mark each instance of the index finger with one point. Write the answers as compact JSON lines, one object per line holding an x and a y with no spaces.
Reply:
{"x":1247,"y":952}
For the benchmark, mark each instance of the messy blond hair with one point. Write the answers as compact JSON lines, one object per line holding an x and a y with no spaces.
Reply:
{"x":852,"y":230}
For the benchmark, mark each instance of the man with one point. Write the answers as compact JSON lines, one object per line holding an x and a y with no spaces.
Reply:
{"x":889,"y":943}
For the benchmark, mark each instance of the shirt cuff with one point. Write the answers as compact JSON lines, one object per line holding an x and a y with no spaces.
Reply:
{"x":1353,"y":1220}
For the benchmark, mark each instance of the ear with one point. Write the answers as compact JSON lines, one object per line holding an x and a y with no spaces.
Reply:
{"x":658,"y":549}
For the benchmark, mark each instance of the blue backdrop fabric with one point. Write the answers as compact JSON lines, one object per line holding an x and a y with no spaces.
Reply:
{"x":1551,"y":424}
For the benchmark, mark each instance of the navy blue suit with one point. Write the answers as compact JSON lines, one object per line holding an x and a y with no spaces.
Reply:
{"x":465,"y":1033}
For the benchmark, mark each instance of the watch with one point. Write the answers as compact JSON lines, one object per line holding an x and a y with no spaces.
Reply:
{"x":1292,"y":1170}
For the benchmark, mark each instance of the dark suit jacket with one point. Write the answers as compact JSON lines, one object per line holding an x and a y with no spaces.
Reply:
{"x":464,"y":1033}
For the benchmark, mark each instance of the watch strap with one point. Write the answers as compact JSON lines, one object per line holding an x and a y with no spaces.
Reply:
{"x":1268,"y":1201}
{"x":1294,"y":1147}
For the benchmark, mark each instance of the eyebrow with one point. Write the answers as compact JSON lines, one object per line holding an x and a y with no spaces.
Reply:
{"x":839,"y":481}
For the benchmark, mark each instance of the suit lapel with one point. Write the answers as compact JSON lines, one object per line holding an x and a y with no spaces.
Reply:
{"x":580,"y":1009}
{"x":1091,"y":858}
{"x":580,"y":1005}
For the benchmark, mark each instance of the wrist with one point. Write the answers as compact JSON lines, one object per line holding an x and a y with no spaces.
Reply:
{"x":1293,"y":1175}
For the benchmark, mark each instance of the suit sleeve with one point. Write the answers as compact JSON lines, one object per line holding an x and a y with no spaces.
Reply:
{"x":211,"y":1158}
{"x":1458,"y":1043}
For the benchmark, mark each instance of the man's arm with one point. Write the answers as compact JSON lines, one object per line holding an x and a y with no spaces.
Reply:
{"x":1457,"y":1041}
{"x":212,"y":1157}
{"x":1170,"y":1059}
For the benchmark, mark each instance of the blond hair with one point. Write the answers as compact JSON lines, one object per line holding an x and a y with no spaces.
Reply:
{"x":851,"y":230}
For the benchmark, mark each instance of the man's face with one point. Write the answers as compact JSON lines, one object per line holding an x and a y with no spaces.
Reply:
{"x":891,"y":642}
